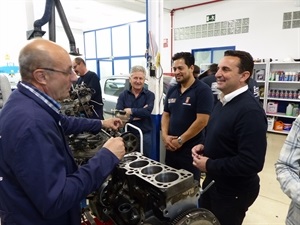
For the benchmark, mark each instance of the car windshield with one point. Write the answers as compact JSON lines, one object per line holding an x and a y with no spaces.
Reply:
{"x":166,"y":83}
{"x":114,"y":86}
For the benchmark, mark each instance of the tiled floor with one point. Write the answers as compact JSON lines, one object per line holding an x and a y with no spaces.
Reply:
{"x":270,"y":208}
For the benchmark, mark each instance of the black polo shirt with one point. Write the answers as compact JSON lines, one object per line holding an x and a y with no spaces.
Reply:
{"x":183,"y":108}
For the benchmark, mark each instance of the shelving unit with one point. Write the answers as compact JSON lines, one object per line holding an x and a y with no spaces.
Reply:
{"x":281,"y":84}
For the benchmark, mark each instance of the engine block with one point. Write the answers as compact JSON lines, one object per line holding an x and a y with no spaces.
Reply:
{"x":144,"y":191}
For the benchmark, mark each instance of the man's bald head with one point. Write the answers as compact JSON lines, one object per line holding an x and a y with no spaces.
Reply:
{"x":40,"y":53}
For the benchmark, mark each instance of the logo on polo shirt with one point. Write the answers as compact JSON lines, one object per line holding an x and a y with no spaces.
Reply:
{"x":187,"y":101}
{"x":171,"y":100}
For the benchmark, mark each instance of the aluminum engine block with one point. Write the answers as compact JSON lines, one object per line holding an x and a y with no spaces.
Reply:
{"x":144,"y":191}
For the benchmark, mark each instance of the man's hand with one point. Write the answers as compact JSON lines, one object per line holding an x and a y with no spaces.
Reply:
{"x":113,"y":123}
{"x":116,"y":146}
{"x":199,"y":160}
{"x":197,"y":150}
{"x":128,"y":111}
{"x":168,"y":140}
{"x":175,"y":143}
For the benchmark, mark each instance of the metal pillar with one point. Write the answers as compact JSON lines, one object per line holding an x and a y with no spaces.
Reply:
{"x":154,"y":20}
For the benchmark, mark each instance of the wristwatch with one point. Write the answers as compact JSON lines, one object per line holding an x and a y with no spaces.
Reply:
{"x":179,"y":139}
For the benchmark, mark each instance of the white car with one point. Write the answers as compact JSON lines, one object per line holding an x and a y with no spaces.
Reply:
{"x":112,"y":86}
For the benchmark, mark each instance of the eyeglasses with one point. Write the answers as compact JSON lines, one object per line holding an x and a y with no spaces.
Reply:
{"x":66,"y":73}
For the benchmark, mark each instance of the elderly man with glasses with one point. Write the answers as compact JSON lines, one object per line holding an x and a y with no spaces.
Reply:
{"x":40,"y":182}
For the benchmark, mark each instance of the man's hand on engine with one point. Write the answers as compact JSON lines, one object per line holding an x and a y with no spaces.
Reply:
{"x":116,"y":146}
{"x":113,"y":123}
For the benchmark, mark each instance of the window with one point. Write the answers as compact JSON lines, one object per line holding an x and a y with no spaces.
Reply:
{"x":206,"y":56}
{"x":115,"y":86}
{"x":116,"y":49}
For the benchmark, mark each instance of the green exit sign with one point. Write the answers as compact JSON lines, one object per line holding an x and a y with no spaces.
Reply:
{"x":211,"y":18}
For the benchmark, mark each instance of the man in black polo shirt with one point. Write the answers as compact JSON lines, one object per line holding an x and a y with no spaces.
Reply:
{"x":186,"y":112}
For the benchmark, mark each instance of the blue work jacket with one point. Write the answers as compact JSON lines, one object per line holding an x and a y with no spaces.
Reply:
{"x":39,"y":180}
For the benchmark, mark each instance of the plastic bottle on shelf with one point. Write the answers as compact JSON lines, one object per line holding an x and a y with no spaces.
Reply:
{"x":282,"y":94}
{"x":291,"y":76}
{"x":295,"y":76}
{"x":286,"y":76}
{"x":277,"y":76}
{"x":278,"y":94}
{"x":282,"y":75}
{"x":295,"y":95}
{"x":289,"y":110}
{"x":286,"y":94}
{"x":270,"y":93}
{"x":296,"y":110}
{"x":271,"y":76}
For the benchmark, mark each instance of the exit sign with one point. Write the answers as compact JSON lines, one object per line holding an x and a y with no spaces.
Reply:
{"x":211,"y":18}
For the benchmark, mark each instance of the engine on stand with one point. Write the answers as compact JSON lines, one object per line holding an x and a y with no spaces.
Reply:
{"x":140,"y":191}
{"x":78,"y":102}
{"x":85,"y":145}
{"x":144,"y":191}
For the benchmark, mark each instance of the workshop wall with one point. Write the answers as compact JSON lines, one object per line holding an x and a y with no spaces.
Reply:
{"x":265,"y":38}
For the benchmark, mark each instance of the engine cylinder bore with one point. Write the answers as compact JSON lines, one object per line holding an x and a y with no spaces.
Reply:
{"x":167,"y":177}
{"x":128,"y":159}
{"x":139,"y":164}
{"x":150,"y":170}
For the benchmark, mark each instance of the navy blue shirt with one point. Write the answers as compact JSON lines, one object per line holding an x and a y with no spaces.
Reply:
{"x":183,"y":109}
{"x":128,"y":100}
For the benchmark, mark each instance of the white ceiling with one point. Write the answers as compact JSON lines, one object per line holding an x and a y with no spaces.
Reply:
{"x":93,"y":14}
